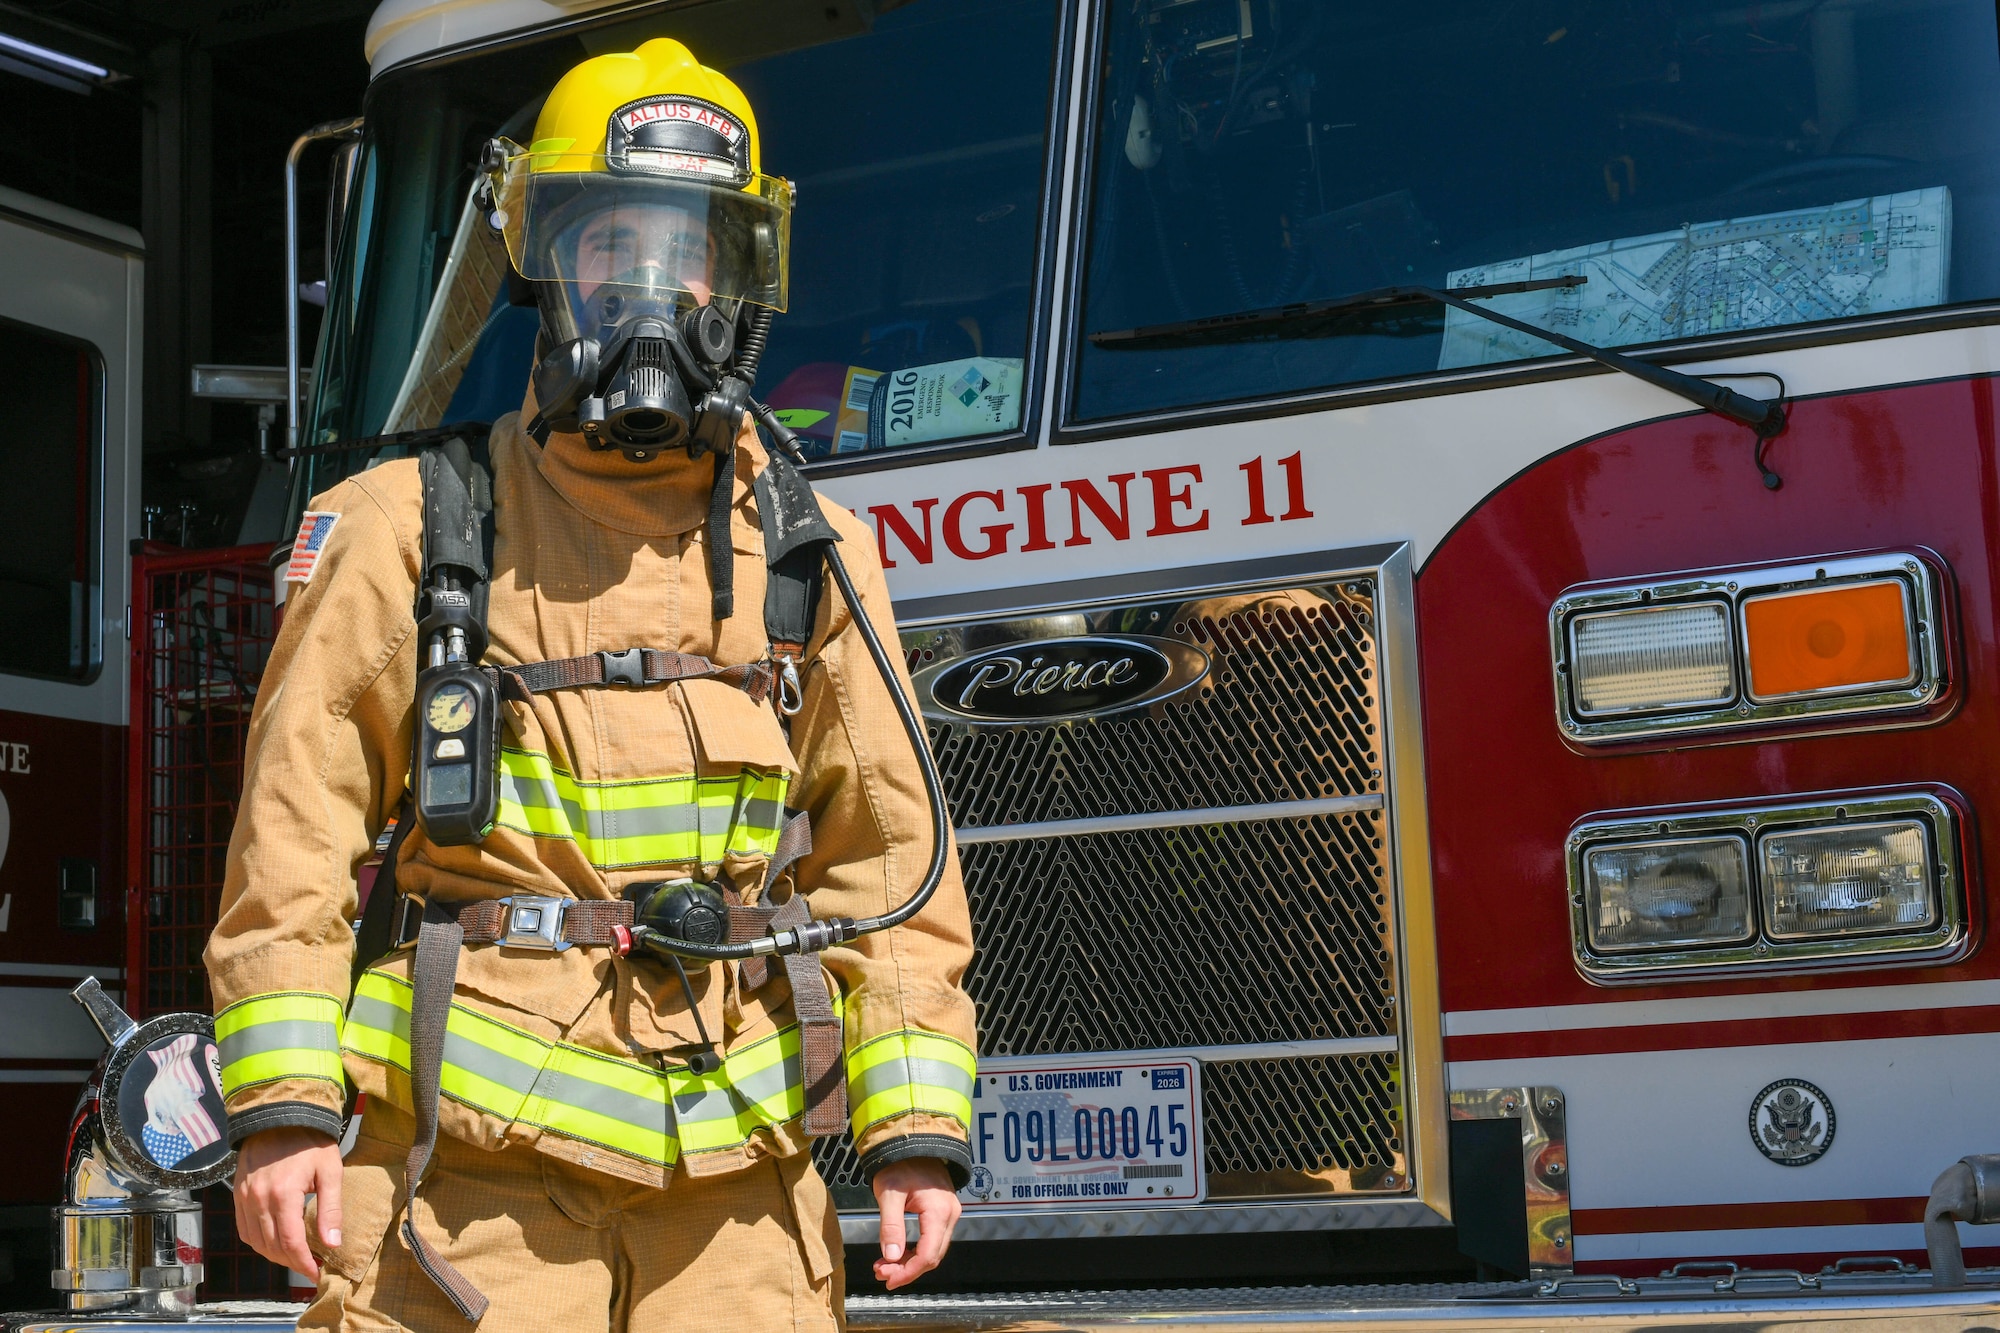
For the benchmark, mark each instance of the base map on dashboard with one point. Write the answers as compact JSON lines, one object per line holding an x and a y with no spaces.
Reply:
{"x":1861,"y":257}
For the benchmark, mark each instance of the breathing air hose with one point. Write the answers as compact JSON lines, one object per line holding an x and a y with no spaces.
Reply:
{"x":813,"y":936}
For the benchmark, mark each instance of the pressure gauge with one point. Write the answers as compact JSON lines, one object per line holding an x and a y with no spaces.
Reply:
{"x":451,"y":709}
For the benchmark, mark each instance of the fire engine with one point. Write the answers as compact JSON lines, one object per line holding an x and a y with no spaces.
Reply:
{"x":1447,"y":552}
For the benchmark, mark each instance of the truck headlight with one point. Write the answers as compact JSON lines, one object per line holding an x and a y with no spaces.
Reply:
{"x":1834,"y":642}
{"x":1848,"y":879}
{"x":1664,"y":895}
{"x":1854,"y":879}
{"x":1652,"y":658}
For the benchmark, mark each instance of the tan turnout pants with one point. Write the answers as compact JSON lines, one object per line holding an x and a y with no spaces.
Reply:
{"x":559,"y":1249}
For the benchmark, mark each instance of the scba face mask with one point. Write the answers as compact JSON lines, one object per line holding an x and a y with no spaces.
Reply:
{"x":640,"y":380}
{"x":643,"y":281}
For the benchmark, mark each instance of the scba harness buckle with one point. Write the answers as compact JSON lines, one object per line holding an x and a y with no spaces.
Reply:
{"x":627,"y":666}
{"x":533,"y":923}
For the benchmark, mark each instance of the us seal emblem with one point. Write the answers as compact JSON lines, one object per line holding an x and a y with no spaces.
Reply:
{"x":1791,"y":1122}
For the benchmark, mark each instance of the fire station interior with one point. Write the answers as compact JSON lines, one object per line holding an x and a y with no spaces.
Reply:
{"x":1244,"y":154}
{"x":171,"y":118}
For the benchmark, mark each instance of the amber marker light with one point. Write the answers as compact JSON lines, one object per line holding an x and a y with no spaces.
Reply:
{"x":1829,"y":640}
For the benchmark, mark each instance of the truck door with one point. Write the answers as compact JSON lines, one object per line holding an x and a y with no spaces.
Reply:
{"x":69,"y":379}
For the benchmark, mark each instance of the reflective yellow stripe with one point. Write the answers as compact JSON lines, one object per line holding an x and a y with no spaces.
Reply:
{"x":651,"y":1114}
{"x":648,"y":821}
{"x":600,"y":1099}
{"x":290,"y":1034}
{"x":910,"y":1071}
{"x":758,"y":1084}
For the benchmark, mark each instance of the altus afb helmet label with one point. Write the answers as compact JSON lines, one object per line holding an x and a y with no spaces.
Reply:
{"x":676,"y":135}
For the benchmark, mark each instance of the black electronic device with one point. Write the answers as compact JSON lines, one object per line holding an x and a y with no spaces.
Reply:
{"x":456,"y":760}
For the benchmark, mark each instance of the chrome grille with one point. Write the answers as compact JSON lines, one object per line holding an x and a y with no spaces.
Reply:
{"x":1288,"y":713}
{"x":1234,"y":933}
{"x":1314,"y":1125}
{"x":1237,"y":930}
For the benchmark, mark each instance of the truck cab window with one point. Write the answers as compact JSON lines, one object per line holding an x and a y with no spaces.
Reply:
{"x":918,"y":153}
{"x":48,"y":530}
{"x":1707,"y":168}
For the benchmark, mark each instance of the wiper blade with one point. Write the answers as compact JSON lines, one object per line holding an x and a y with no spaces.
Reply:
{"x":1252,"y":323}
{"x":1766,"y":418}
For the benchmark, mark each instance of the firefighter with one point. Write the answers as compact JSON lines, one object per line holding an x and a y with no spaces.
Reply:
{"x":607,"y":1140}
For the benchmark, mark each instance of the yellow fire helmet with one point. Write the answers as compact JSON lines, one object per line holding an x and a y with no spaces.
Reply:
{"x":641,"y":190}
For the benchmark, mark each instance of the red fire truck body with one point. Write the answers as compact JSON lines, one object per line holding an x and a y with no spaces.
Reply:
{"x":69,"y":321}
{"x":1528,"y":492}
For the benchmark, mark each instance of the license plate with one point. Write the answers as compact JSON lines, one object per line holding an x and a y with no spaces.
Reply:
{"x":1085,"y":1132}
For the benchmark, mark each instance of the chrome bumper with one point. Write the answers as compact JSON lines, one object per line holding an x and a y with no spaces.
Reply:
{"x":1905,"y":1303}
{"x":214,"y":1317}
{"x":1888,"y":1302}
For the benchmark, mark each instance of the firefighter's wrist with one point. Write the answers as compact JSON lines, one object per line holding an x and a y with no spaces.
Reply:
{"x":283,"y":1115}
{"x":942,"y":1148}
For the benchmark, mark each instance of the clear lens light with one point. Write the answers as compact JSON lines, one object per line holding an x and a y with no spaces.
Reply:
{"x":1848,"y":879}
{"x":1652,"y":658}
{"x":1657,"y":895}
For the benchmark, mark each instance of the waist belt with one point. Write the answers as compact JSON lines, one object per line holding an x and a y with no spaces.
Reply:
{"x":522,"y":921}
{"x":631,"y":667}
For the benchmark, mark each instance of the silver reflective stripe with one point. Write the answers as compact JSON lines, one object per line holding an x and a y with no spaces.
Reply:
{"x":762,"y":814}
{"x":649,"y":821}
{"x":906,"y":1070}
{"x":514,"y":1075}
{"x":370,"y":1012}
{"x":767,"y":1084}
{"x":703,"y":1104}
{"x":285,"y":1034}
{"x":539,"y":794}
{"x":614,"y":1103}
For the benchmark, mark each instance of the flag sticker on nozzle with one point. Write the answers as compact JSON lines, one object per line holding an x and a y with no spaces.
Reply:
{"x":314,"y":529}
{"x":178,"y":1125}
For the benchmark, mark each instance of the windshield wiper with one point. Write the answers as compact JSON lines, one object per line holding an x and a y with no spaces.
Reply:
{"x":1297,"y":320}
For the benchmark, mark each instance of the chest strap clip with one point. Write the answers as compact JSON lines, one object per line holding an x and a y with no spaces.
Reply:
{"x":627,"y":666}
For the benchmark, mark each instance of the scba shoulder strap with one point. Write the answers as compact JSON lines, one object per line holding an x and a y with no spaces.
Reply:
{"x":454,"y":782}
{"x":458,"y":549}
{"x":796,"y":538}
{"x":458,"y":528}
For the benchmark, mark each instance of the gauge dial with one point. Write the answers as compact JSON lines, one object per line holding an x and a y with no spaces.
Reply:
{"x":451,"y":709}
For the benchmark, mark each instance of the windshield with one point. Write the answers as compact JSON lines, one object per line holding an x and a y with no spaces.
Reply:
{"x":916,"y":141}
{"x":1707,"y":168}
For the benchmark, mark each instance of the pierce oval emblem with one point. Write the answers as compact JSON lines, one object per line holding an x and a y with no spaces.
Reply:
{"x":1054,"y":680}
{"x":1791,"y":1122}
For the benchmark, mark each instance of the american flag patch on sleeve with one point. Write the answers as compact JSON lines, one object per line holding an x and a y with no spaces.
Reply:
{"x":314,"y":529}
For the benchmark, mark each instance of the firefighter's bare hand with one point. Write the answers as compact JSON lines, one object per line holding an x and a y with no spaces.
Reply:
{"x":275,"y":1170}
{"x":921,"y":1186}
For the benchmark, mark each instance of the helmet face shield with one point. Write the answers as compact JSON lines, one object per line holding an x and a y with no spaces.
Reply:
{"x":619,"y":244}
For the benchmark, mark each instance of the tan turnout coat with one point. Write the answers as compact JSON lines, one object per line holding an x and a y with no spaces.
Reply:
{"x":593,"y":552}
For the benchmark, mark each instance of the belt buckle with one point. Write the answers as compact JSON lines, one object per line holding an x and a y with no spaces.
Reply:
{"x":408,"y":921}
{"x":533,"y":922}
{"x":627,"y":666}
